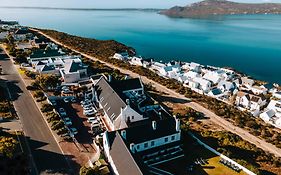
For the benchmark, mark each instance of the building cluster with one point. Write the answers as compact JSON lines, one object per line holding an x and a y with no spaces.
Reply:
{"x":140,"y":133}
{"x":45,"y":57}
{"x":221,"y":83}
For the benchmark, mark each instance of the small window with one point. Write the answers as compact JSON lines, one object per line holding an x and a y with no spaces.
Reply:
{"x":166,"y":139}
{"x":133,"y":117}
{"x":152,"y":143}
{"x":173,"y":138}
{"x":138,"y":147}
{"x":146,"y":145}
{"x":109,"y":108}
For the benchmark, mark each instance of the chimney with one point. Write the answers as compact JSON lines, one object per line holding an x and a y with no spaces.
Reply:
{"x":178,"y":124}
{"x":154,"y":125}
{"x":123,"y":134}
{"x":128,"y":102}
{"x":132,"y":147}
{"x":110,"y":78}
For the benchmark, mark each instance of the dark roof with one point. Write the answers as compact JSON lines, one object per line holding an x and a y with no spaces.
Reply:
{"x":47,"y":68}
{"x":39,"y":53}
{"x":22,"y":31}
{"x":121,"y":155}
{"x":73,"y":66}
{"x":41,"y":40}
{"x":125,"y":85}
{"x":109,"y":99}
{"x":141,"y":133}
{"x":216,"y":91}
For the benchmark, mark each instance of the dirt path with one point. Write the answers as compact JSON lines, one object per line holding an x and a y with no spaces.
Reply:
{"x":213,"y":117}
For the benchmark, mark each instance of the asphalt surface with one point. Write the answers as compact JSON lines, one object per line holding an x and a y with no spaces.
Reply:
{"x":46,"y":153}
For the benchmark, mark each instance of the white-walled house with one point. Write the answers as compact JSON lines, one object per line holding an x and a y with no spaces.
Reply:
{"x":73,"y":71}
{"x":137,"y":61}
{"x":272,"y":113}
{"x":204,"y":84}
{"x":121,"y":56}
{"x":258,"y":90}
{"x":191,"y":74}
{"x":150,"y":141}
{"x":117,"y":111}
{"x":277,"y":94}
{"x":250,"y":102}
{"x":212,"y":76}
{"x":226,"y":86}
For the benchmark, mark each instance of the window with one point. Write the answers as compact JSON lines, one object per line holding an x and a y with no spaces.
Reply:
{"x":152,"y":143}
{"x":133,"y":117}
{"x":138,"y":147}
{"x":166,"y":139}
{"x":108,"y":108}
{"x":173,"y":138}
{"x":146,"y":145}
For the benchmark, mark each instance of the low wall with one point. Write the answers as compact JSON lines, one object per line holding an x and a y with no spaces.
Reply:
{"x":222,"y":156}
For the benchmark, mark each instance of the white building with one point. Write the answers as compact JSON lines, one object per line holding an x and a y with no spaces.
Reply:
{"x":121,"y":56}
{"x":153,"y":142}
{"x":258,"y":90}
{"x":250,"y":102}
{"x":73,"y":71}
{"x":272,"y":113}
{"x":117,"y":111}
{"x":204,"y":84}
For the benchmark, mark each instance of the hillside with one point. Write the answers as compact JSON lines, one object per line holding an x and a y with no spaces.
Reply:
{"x":96,"y":48}
{"x":221,"y":7}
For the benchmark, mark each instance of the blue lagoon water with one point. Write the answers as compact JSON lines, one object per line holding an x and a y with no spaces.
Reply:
{"x":248,"y":43}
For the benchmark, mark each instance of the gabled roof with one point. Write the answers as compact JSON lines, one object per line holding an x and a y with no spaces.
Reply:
{"x":22,"y":31}
{"x":121,"y":155}
{"x":126,"y":85}
{"x":40,"y":53}
{"x":109,"y":99}
{"x":72,"y":66}
{"x":47,"y":68}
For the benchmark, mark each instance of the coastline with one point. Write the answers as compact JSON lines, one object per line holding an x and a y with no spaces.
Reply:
{"x":170,"y":87}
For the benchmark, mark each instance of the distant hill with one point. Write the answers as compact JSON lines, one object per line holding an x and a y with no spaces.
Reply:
{"x":221,"y":7}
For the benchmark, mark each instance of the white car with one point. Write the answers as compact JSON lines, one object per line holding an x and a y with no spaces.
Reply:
{"x":62,"y":112}
{"x":92,"y":120}
{"x":89,"y":112}
{"x":67,"y":121}
{"x":73,"y":131}
{"x":66,"y":100}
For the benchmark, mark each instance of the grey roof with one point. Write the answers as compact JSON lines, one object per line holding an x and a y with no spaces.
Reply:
{"x":22,"y":31}
{"x":126,"y":85}
{"x":216,"y":91}
{"x":109,"y":99}
{"x":41,"y":53}
{"x":121,"y":156}
{"x":47,"y":68}
{"x":73,"y":66}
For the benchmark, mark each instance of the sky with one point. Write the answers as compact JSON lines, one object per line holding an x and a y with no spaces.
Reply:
{"x":109,"y":3}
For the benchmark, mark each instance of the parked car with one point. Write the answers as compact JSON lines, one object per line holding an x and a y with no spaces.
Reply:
{"x":67,"y":121}
{"x":62,"y":112}
{"x":66,"y":100}
{"x":73,"y":131}
{"x":73,"y":100}
{"x":89,"y":112}
{"x":92,"y":120}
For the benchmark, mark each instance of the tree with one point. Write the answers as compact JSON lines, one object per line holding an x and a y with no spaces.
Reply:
{"x":48,"y":81}
{"x":7,"y":146}
{"x":47,"y":107}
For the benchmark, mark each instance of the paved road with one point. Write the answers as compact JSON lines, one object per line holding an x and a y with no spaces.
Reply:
{"x":213,"y":117}
{"x":45,"y":151}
